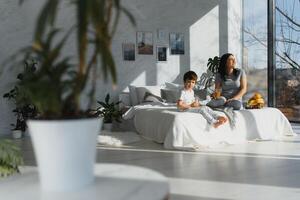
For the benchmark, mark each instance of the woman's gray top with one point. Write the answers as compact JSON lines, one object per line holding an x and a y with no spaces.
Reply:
{"x":232,"y":83}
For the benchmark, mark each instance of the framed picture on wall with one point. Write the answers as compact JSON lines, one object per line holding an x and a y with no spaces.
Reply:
{"x":145,"y":42}
{"x":161,"y":53}
{"x":176,"y":43}
{"x":128,"y":51}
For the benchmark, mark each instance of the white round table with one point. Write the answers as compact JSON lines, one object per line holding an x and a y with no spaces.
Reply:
{"x":112,"y":181}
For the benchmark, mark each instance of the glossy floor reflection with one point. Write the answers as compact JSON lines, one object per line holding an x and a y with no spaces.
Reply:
{"x":255,"y":170}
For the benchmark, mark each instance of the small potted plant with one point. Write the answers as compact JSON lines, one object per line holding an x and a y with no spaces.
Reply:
{"x":22,"y":113}
{"x":109,"y":111}
{"x":20,"y":124}
{"x":23,"y":110}
{"x":18,"y":128}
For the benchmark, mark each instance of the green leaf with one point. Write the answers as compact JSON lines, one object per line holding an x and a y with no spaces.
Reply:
{"x":82,"y":20}
{"x":46,"y":16}
{"x":10,"y":158}
{"x":107,"y":98}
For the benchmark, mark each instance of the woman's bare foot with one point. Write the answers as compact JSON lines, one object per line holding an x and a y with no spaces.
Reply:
{"x":221,"y":120}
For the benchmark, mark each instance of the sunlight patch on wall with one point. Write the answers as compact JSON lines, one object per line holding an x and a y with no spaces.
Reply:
{"x":235,"y":30}
{"x":140,"y":79}
{"x":204,"y":40}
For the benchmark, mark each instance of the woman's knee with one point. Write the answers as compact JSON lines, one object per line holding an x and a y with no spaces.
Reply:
{"x":214,"y":103}
{"x":235,"y":104}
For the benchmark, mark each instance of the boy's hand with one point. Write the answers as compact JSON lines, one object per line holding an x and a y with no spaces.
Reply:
{"x":195,"y":104}
{"x":182,"y":106}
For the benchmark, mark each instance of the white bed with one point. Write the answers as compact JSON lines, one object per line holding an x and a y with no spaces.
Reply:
{"x":162,"y":123}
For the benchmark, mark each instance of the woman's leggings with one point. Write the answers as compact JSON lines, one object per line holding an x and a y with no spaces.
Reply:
{"x":221,"y":101}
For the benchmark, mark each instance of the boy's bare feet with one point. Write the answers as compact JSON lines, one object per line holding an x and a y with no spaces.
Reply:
{"x":221,"y":120}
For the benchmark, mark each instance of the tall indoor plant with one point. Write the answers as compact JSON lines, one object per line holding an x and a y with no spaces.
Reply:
{"x":57,"y":85}
{"x":207,"y":79}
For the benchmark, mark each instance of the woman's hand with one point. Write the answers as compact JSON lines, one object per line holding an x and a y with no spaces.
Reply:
{"x":234,"y":98}
{"x":214,"y":95}
{"x":217,"y":92}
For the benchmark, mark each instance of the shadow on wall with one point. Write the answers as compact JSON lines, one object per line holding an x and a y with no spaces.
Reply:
{"x":172,"y":15}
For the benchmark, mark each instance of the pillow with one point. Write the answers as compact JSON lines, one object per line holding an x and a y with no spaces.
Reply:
{"x":173,"y":86}
{"x":152,"y":98}
{"x":171,"y":96}
{"x":124,"y":98}
{"x":141,"y":90}
{"x":132,"y":95}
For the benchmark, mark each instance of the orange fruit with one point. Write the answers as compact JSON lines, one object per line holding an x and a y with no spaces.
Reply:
{"x":257,"y":96}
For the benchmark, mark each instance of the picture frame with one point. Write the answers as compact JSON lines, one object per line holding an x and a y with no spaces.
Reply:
{"x":161,"y":52}
{"x":176,"y":43}
{"x":128,"y":51}
{"x":145,"y":42}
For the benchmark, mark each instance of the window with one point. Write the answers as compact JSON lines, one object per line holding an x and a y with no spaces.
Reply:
{"x":287,"y":52}
{"x":255,"y":46}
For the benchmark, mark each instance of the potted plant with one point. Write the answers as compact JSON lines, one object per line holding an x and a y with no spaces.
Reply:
{"x":16,"y":132}
{"x":18,"y":128}
{"x":23,"y":110}
{"x":207,"y":79}
{"x":213,"y":64}
{"x":109,"y":111}
{"x":65,"y":134}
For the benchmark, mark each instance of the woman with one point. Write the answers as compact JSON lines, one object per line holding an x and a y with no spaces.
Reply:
{"x":230,"y":84}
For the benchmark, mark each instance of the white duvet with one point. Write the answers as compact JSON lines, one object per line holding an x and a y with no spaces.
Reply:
{"x":162,"y":123}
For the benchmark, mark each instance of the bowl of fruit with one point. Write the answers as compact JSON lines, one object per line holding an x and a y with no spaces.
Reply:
{"x":255,"y":102}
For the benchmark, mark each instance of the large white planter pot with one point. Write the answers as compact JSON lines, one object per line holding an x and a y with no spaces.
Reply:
{"x":65,"y":151}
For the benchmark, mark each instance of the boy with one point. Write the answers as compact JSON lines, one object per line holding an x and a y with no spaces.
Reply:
{"x":187,"y":101}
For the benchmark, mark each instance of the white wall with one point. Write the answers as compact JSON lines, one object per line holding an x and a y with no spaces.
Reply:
{"x":16,"y":24}
{"x":209,"y":30}
{"x":204,"y":40}
{"x":16,"y":31}
{"x":216,"y":33}
{"x":235,"y":16}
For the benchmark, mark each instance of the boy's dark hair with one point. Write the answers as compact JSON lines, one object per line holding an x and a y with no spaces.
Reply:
{"x":190,"y":75}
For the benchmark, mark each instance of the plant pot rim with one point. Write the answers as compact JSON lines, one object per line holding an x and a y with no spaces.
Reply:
{"x":64,"y":119}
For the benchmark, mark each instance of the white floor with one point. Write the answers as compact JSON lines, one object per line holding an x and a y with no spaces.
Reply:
{"x":256,"y":170}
